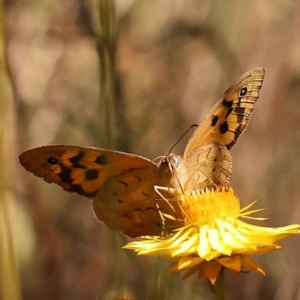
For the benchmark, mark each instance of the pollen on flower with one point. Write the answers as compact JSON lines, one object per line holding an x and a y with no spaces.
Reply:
{"x":205,"y":207}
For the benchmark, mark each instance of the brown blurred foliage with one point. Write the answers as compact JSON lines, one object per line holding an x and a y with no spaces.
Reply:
{"x":134,"y":77}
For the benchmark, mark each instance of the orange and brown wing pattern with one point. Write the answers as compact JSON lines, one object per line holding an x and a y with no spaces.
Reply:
{"x":79,"y":169}
{"x":230,"y":116}
{"x":207,"y":161}
{"x":208,"y":166}
{"x":121,"y":184}
{"x":128,"y":202}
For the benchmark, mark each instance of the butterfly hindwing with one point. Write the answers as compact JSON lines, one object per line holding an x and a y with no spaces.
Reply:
{"x":208,"y":166}
{"x":129,"y":203}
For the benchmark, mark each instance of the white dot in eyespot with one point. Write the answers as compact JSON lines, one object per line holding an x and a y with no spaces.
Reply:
{"x":243,"y":91}
{"x":52,"y":160}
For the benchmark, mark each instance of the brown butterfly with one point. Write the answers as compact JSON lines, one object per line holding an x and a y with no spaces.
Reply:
{"x":130,"y":191}
{"x":206,"y":160}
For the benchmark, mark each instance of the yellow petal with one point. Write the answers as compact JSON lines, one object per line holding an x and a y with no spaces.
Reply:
{"x":213,"y":236}
{"x":187,"y":246}
{"x":203,"y":248}
{"x":267,"y":249}
{"x":247,"y":207}
{"x":184,"y":262}
{"x":212,"y":255}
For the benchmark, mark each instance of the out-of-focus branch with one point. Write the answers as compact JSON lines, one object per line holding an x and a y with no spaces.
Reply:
{"x":106,"y":51}
{"x":9,"y":281}
{"x":111,"y":123}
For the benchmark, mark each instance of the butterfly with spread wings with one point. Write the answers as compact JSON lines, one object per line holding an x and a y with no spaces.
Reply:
{"x":124,"y":186}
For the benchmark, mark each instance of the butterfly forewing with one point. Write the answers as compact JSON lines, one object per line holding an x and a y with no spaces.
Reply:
{"x":79,"y":169}
{"x":230,"y":116}
{"x":207,"y":161}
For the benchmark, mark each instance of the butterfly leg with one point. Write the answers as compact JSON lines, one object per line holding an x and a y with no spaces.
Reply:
{"x":163,"y":229}
{"x":163,"y":216}
{"x":158,"y":190}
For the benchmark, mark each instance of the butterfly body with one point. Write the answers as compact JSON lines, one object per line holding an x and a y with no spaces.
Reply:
{"x":131,"y":192}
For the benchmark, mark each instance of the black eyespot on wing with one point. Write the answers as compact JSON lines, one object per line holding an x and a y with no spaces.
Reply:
{"x":52,"y":160}
{"x":214,"y":120}
{"x":78,"y":189}
{"x":91,"y":174}
{"x":101,"y":160}
{"x":65,"y":175}
{"x":243,"y":91}
{"x":224,"y":127}
{"x":77,"y":158}
{"x":227,"y":104}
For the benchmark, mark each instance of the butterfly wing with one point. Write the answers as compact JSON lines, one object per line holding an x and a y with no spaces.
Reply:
{"x":121,"y":184}
{"x":78,"y":169}
{"x":208,"y":166}
{"x":128,"y":202}
{"x":230,"y":116}
{"x":207,"y":161}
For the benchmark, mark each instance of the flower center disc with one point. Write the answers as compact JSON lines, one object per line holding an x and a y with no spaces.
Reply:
{"x":206,"y":207}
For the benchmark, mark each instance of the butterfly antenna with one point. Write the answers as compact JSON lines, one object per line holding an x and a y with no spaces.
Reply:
{"x":194,"y":125}
{"x":158,"y":157}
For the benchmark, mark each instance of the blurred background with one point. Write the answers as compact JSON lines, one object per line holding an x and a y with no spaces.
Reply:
{"x":133,"y":75}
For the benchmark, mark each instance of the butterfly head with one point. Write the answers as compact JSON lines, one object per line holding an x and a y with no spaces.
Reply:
{"x":173,"y":166}
{"x":170,"y":162}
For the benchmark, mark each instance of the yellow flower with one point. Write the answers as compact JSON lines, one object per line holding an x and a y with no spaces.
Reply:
{"x":214,"y":237}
